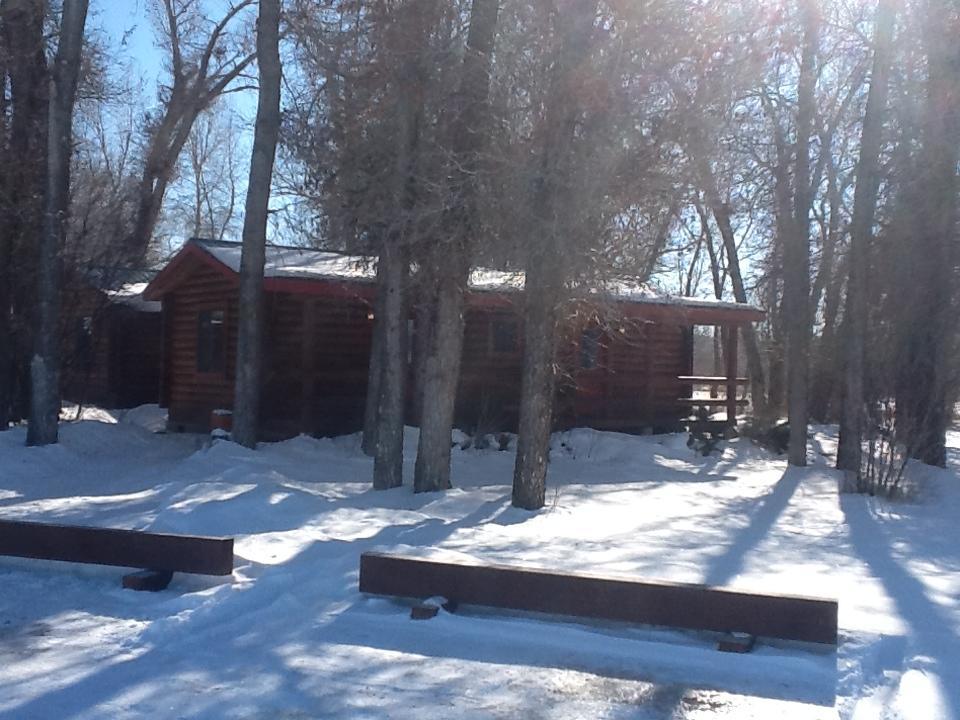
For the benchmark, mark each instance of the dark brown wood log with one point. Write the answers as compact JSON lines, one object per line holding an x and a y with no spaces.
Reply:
{"x":147,"y":580}
{"x":694,"y":607}
{"x":737,"y":643}
{"x":122,"y":548}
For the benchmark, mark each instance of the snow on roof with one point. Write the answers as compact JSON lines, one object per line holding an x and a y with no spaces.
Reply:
{"x":309,"y":263}
{"x":131,"y":295}
{"x":294,"y":262}
{"x":633,"y":291}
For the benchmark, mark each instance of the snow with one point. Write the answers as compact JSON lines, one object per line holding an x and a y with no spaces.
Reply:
{"x":632,"y":291}
{"x":307,"y":263}
{"x":289,"y":635}
{"x":294,"y":262}
{"x":131,"y":295}
{"x":149,"y":417}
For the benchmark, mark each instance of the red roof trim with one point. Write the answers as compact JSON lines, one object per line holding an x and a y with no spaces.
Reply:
{"x":170,"y":277}
{"x":320,"y":286}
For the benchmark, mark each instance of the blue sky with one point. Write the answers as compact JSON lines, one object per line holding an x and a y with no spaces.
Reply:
{"x":127,"y":28}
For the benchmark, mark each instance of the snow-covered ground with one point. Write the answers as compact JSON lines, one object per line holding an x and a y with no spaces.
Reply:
{"x":289,"y":635}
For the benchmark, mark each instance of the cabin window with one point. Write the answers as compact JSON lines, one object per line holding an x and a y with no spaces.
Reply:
{"x":211,"y":341}
{"x":590,"y":348}
{"x":504,"y":334}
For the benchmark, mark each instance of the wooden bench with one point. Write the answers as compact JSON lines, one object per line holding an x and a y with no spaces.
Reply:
{"x":692,"y":607}
{"x":159,"y":554}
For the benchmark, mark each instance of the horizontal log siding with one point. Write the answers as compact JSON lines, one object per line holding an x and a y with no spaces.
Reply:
{"x":317,"y":354}
{"x":192,"y":395}
{"x":315,"y":362}
{"x":343,"y":335}
{"x":635,"y":383}
{"x":488,"y":396}
{"x":316,"y":367}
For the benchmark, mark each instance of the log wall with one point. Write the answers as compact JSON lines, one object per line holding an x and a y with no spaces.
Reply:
{"x":111,"y":352}
{"x":315,"y":359}
{"x":317,"y":353}
{"x":192,"y":395}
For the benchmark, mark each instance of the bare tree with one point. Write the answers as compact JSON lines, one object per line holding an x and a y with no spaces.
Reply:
{"x":206,"y":58}
{"x":449,"y":260}
{"x":45,"y":365}
{"x":722,"y":216}
{"x":544,"y":270}
{"x":212,"y":174}
{"x":246,"y":406}
{"x":928,"y":284}
{"x":409,"y":39}
{"x":796,"y":261}
{"x":865,"y":203}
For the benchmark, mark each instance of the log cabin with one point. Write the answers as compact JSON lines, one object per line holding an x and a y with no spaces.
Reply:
{"x":110,"y":342}
{"x":626,"y":361}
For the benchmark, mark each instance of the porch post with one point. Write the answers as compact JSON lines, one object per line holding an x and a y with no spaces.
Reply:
{"x":730,"y":352}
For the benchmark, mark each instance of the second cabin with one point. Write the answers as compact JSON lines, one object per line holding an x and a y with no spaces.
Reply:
{"x":626,"y":363}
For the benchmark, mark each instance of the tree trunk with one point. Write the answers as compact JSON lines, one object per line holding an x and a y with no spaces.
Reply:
{"x":537,"y":384}
{"x":423,"y":324}
{"x":544,"y":269}
{"x":823,"y":388}
{"x":861,"y":234}
{"x":246,"y":404}
{"x":652,"y":258}
{"x":928,"y":377}
{"x":7,"y":355}
{"x":827,"y":281}
{"x":45,"y":364}
{"x":721,"y":214}
{"x":371,"y":410}
{"x":441,"y":371}
{"x":758,"y":383}
{"x":719,"y":366}
{"x":166,"y":146}
{"x":441,"y":363}
{"x":6,"y":245}
{"x":796,"y":273}
{"x":22,"y":26}
{"x":388,"y":458}
{"x":414,"y":22}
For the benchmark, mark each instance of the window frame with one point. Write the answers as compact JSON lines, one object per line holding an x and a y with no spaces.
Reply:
{"x":216,"y":364}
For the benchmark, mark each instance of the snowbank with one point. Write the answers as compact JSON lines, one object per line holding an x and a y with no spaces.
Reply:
{"x":289,"y":635}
